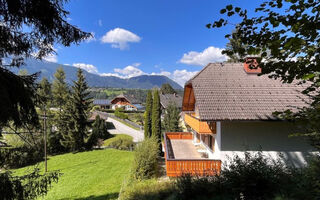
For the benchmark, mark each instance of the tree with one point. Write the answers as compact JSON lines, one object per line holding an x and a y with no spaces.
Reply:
{"x":234,"y":43}
{"x":60,"y":94}
{"x":147,"y":115}
{"x":45,"y":93}
{"x":99,"y":131}
{"x":78,"y":108}
{"x":156,"y":117}
{"x":171,"y":119}
{"x":28,"y":26}
{"x":166,"y":88}
{"x":60,"y":90}
{"x":285,"y":34}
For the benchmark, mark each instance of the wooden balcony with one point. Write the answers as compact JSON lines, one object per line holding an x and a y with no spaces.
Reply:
{"x":200,"y":127}
{"x":182,"y":157}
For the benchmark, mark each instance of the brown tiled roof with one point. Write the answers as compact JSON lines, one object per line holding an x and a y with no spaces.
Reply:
{"x":226,"y":92}
{"x":166,"y":99}
{"x":131,"y":99}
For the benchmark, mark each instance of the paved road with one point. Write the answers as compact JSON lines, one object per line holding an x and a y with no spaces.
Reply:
{"x":121,"y":128}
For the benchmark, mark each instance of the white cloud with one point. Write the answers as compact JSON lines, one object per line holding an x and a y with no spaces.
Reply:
{"x":164,"y":73}
{"x":129,"y":71}
{"x":88,"y":67}
{"x":100,"y":22}
{"x":92,"y":38}
{"x":119,"y":38}
{"x":210,"y":54}
{"x":182,"y":76}
{"x":52,"y":57}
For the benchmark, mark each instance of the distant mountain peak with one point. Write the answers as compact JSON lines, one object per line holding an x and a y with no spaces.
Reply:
{"x":48,"y":69}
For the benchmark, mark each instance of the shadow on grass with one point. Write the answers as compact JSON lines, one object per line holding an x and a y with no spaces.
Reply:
{"x":100,"y":197}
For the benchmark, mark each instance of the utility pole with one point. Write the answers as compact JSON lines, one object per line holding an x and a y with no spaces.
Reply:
{"x":45,"y":139}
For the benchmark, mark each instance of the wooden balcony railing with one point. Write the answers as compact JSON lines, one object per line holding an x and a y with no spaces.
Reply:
{"x":178,"y":167}
{"x":200,"y":126}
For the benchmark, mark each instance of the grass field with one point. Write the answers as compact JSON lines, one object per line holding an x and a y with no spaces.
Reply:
{"x":93,"y":175}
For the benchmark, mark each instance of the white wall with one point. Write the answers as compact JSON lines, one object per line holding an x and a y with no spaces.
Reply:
{"x":270,"y":137}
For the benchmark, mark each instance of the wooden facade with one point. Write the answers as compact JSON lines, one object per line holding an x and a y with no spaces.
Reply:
{"x":200,"y":127}
{"x":178,"y":167}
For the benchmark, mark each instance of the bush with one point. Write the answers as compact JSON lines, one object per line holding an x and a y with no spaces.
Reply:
{"x":99,"y":131}
{"x":121,"y":142}
{"x":254,"y":177}
{"x":145,"y":164}
{"x":20,"y":156}
{"x":54,"y":144}
{"x":29,"y":186}
{"x":119,"y":113}
{"x":148,"y":189}
{"x":95,"y":108}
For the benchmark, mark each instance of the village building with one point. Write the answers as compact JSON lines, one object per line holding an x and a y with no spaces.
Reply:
{"x":126,"y":102}
{"x":167,"y":99}
{"x":120,"y":101}
{"x":228,"y":109}
{"x":102,"y":103}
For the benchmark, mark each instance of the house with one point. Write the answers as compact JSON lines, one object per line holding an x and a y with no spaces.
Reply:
{"x":102,"y":103}
{"x":166,"y":99}
{"x":126,"y":102}
{"x":228,"y":110}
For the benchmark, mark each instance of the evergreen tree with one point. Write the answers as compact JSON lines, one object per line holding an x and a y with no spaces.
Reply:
{"x":99,"y":131}
{"x":60,"y":93}
{"x":26,"y":26}
{"x":77,"y":110}
{"x":44,"y":93}
{"x":166,"y":88}
{"x":171,"y":118}
{"x":59,"y":89}
{"x":147,"y":115}
{"x":156,"y":117}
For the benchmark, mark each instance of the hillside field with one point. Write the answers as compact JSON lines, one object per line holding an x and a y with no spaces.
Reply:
{"x":92,"y":175}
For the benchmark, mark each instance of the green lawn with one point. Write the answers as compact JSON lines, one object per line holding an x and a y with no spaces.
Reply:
{"x":95,"y":175}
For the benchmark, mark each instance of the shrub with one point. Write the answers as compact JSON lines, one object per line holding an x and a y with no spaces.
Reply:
{"x":254,"y":177}
{"x":148,"y":189}
{"x":20,"y":156}
{"x":119,"y":113}
{"x":54,"y":144}
{"x":95,"y":108}
{"x":121,"y":142}
{"x":99,"y":131}
{"x":145,"y":164}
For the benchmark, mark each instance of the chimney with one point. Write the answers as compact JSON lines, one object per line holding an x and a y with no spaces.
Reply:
{"x":251,"y":65}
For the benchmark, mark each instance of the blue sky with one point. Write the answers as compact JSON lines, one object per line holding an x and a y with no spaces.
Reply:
{"x":134,"y":37}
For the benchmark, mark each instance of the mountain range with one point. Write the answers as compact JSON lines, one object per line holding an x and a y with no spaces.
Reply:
{"x":48,"y":70}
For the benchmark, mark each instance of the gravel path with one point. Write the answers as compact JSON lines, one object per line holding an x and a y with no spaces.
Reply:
{"x":121,"y":128}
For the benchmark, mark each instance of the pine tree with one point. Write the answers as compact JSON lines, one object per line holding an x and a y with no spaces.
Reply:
{"x":78,"y":109}
{"x":99,"y":131}
{"x":156,"y":117}
{"x":166,"y":88}
{"x":171,"y":118}
{"x":60,"y":90}
{"x":147,"y":115}
{"x":44,"y":93}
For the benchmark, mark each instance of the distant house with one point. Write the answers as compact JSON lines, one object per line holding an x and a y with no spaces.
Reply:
{"x":102,"y":103}
{"x":166,"y":99}
{"x":229,"y":109}
{"x":126,"y":102}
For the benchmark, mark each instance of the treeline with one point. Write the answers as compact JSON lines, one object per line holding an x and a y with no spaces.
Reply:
{"x":69,"y":110}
